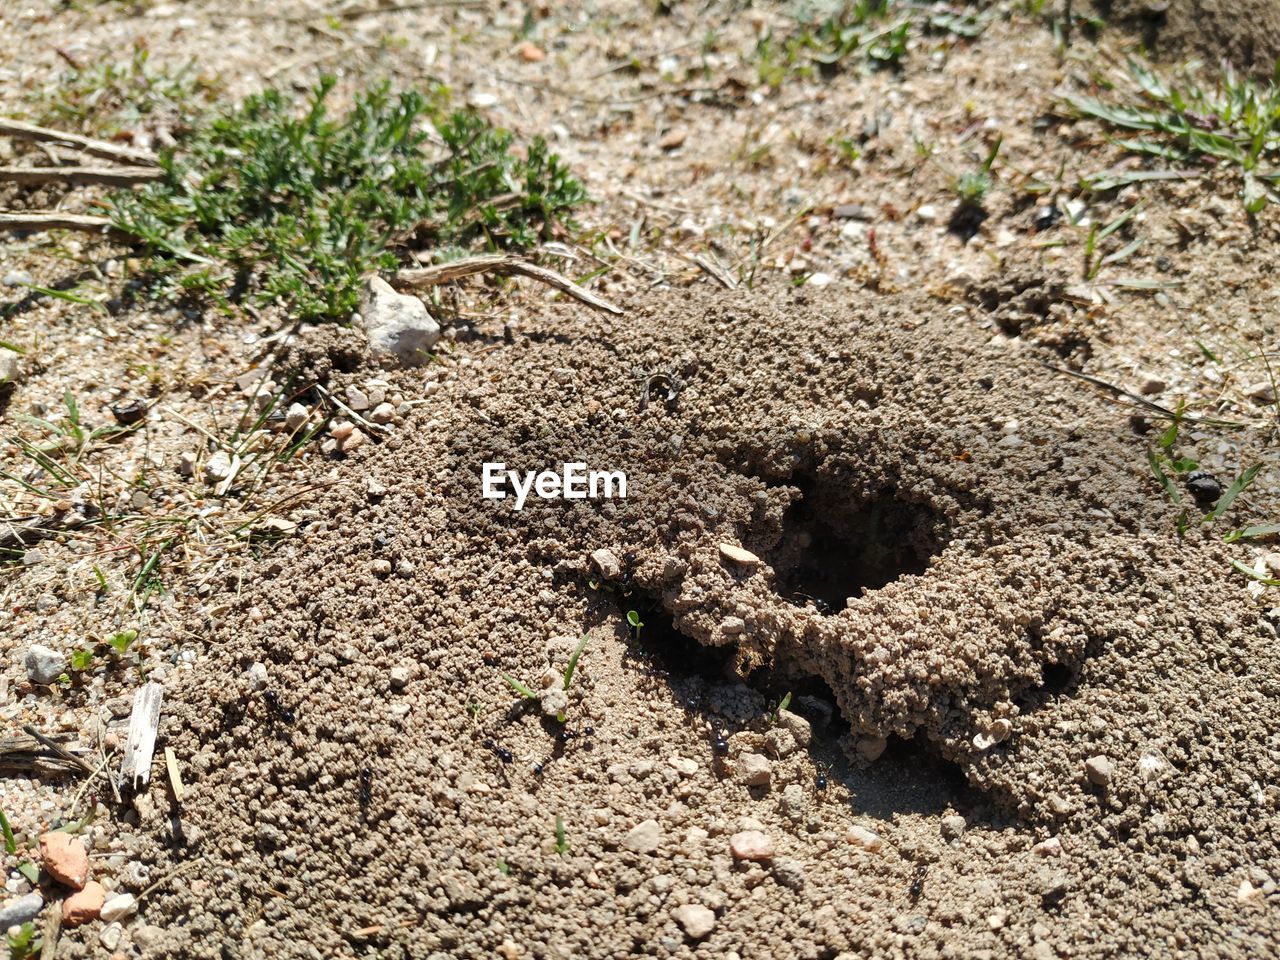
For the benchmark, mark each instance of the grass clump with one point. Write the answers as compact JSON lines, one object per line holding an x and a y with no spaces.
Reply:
{"x":296,"y":206}
{"x":108,"y":99}
{"x":1234,"y":120}
{"x":821,"y":44}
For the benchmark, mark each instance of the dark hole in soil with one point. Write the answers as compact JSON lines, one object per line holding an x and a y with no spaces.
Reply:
{"x":833,"y":550}
{"x":1058,"y":677}
{"x":663,"y":652}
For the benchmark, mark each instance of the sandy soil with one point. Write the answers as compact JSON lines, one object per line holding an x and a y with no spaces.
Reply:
{"x":1027,"y":718}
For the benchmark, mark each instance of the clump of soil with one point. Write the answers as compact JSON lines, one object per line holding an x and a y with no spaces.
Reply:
{"x":1245,"y":32}
{"x":958,"y":547}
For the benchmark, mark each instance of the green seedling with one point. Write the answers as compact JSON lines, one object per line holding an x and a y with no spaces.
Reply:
{"x":777,"y":710}
{"x":504,"y":868}
{"x":30,"y":871}
{"x":573,"y":661}
{"x":473,"y":708}
{"x":106,"y":99}
{"x":519,"y":687}
{"x":562,"y":843}
{"x":23,"y":942}
{"x":81,"y":660}
{"x":10,"y":844}
{"x":635,"y":623}
{"x":972,"y":188}
{"x":120,"y":642}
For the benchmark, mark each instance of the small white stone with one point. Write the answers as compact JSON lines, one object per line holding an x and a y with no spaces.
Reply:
{"x":754,"y":770}
{"x":736,"y":554}
{"x":864,"y":838}
{"x":607,"y":563}
{"x":295,"y":417}
{"x":44,"y":664}
{"x":644,"y":837}
{"x":218,"y":467}
{"x":383,"y":413}
{"x":110,"y":935}
{"x":1048,"y":848}
{"x":696,"y":920}
{"x":119,"y":907}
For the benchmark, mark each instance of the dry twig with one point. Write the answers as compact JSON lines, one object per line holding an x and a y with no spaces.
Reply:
{"x":98,"y":148}
{"x":110,"y":176}
{"x":507,"y":266}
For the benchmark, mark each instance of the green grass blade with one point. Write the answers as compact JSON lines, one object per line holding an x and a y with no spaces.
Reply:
{"x":1162,"y":478}
{"x":573,"y":659}
{"x":1254,"y":574}
{"x":519,"y":687}
{"x":10,"y":844}
{"x":1241,"y":484}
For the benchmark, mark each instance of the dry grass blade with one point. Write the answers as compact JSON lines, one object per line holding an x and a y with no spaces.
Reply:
{"x":507,"y":266}
{"x":98,"y":148}
{"x":58,"y":748}
{"x":110,"y":176}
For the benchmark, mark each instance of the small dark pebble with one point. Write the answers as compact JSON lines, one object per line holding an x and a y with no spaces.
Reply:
{"x":1204,"y":487}
{"x":131,"y":412}
{"x":1047,"y":216}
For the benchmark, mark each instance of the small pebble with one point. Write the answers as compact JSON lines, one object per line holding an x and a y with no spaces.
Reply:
{"x":84,"y":905}
{"x":953,"y":827}
{"x":695,"y":919}
{"x":751,"y":845}
{"x":864,"y":838}
{"x":44,"y":664}
{"x":1098,"y":769}
{"x":754,"y":770}
{"x":644,"y":837}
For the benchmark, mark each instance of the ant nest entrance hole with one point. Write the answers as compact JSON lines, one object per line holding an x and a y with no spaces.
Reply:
{"x":836,"y":546}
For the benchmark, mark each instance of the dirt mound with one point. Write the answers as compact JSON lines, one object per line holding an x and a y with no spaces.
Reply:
{"x":1246,"y":32}
{"x":957,"y":545}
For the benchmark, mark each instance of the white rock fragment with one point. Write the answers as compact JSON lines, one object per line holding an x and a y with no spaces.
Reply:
{"x":607,"y":563}
{"x":754,"y":770}
{"x":295,"y":417}
{"x":644,"y":837}
{"x":1150,"y":768}
{"x":864,"y":838}
{"x":751,"y":845}
{"x":119,"y":907}
{"x":398,"y":325}
{"x":9,"y":364}
{"x":695,"y":919}
{"x":218,"y":467}
{"x":44,"y":665}
{"x":736,"y":554}
{"x":1048,"y":848}
{"x":383,"y":413}
{"x":1098,"y":769}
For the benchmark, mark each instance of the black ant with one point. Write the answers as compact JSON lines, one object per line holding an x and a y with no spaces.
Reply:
{"x":628,"y":572}
{"x":823,"y":779}
{"x":819,"y":604}
{"x":917,"y":882}
{"x":366,"y":790}
{"x":278,"y":710}
{"x":721,"y":745}
{"x":503,"y":753}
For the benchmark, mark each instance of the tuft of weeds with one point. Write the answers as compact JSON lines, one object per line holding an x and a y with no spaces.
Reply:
{"x":827,"y":38}
{"x":1233,"y":120}
{"x":566,"y":678}
{"x":289,"y":203}
{"x":823,"y":44}
{"x":111,"y":99}
{"x":1173,"y":472}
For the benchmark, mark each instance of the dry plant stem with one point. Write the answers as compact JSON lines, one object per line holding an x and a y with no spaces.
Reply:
{"x":57,"y":748}
{"x":55,"y":221}
{"x":52,"y":931}
{"x":111,"y":176}
{"x":507,"y":266}
{"x":98,"y":148}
